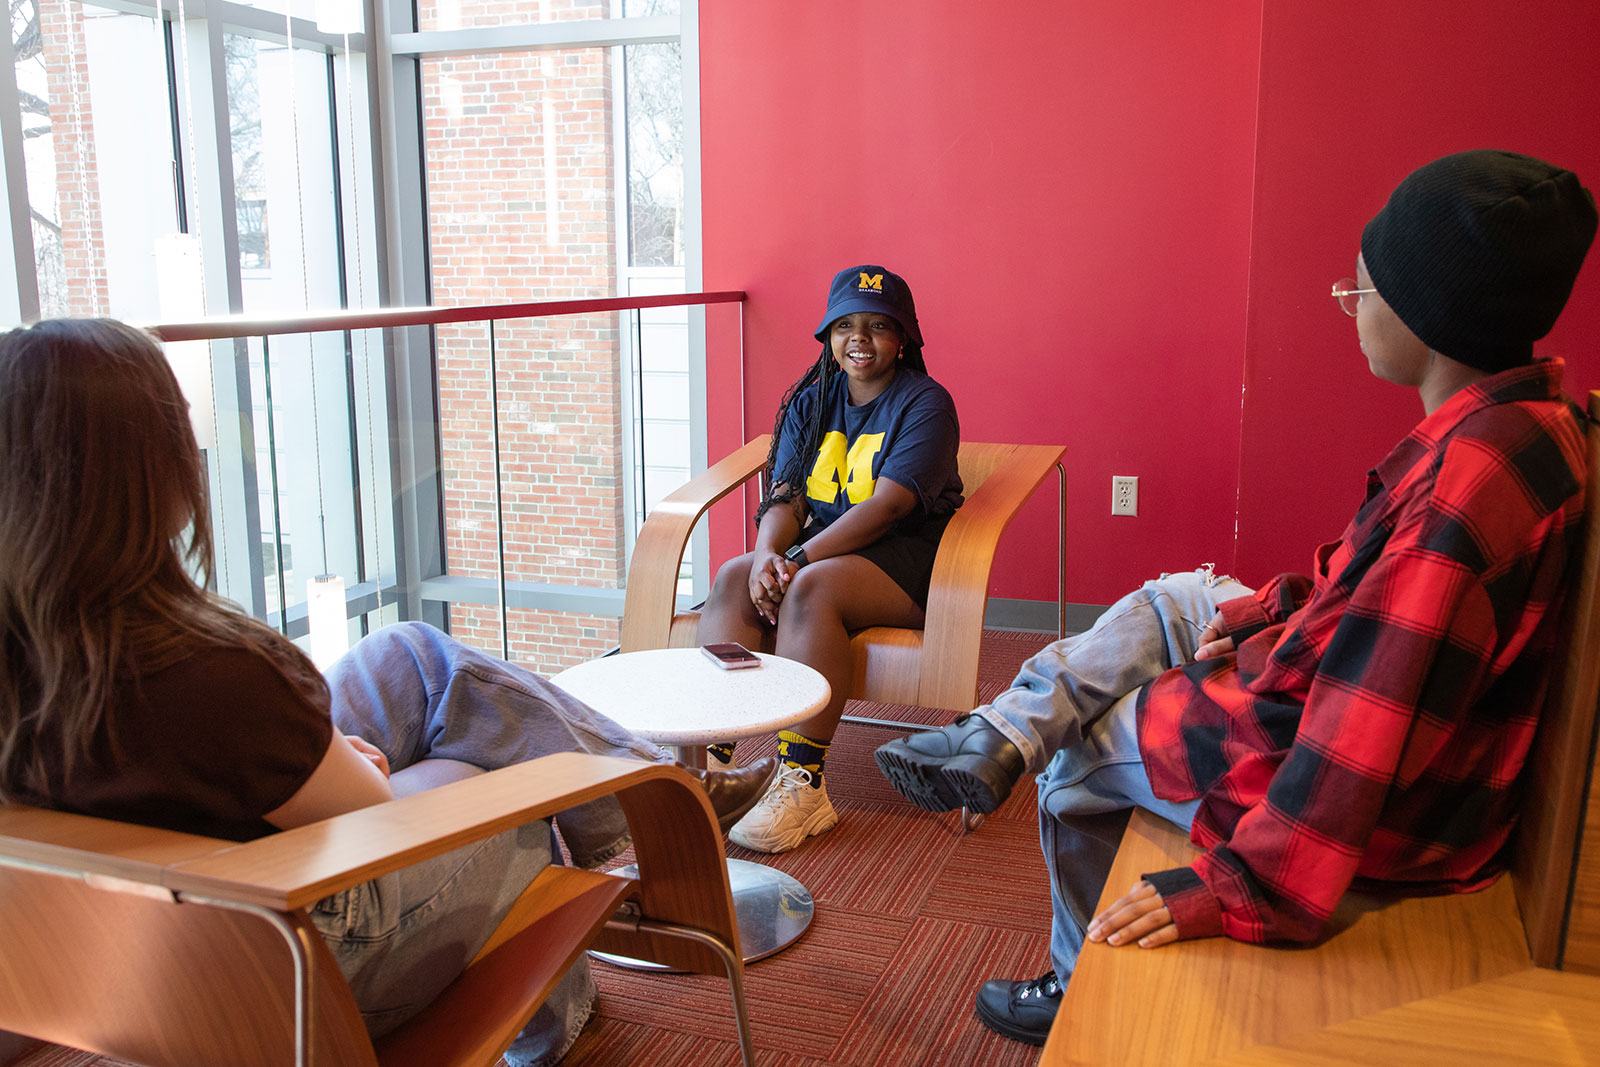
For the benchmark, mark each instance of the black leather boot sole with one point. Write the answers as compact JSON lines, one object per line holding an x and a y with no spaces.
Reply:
{"x":944,"y":783}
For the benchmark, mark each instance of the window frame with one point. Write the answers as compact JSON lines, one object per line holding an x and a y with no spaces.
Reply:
{"x":414,"y":367}
{"x":414,"y":578}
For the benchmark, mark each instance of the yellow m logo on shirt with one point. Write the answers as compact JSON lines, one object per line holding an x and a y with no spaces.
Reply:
{"x":834,"y":468}
{"x":871,"y":281}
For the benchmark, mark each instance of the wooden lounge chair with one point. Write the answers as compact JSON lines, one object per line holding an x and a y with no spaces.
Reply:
{"x":934,"y":667}
{"x":172,"y":949}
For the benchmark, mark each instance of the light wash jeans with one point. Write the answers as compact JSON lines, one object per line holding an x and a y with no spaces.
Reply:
{"x":1071,"y":712}
{"x":417,"y":693}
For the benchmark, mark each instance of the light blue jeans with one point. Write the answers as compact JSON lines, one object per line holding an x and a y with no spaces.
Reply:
{"x":1071,"y":712}
{"x":417,"y":693}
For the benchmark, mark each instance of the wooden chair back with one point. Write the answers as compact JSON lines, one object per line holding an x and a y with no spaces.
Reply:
{"x":166,"y":980}
{"x":889,"y":664}
{"x":1544,"y":863}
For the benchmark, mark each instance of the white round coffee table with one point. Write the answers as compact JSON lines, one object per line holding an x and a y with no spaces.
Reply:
{"x":678,"y":698}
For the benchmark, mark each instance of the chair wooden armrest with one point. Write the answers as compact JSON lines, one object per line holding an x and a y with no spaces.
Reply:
{"x":97,"y":846}
{"x":889,"y":664}
{"x":652,"y":593}
{"x":1216,"y":997}
{"x":958,"y":593}
{"x":295,"y":868}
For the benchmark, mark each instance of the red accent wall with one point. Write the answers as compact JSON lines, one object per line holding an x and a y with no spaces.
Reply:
{"x":1120,"y":224}
{"x":1353,"y":97}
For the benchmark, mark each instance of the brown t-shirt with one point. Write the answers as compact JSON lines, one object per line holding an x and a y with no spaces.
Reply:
{"x":208,"y":746}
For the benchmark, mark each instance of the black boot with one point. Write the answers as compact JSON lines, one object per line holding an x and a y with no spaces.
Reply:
{"x":966,"y":764}
{"x":1023,"y":1011}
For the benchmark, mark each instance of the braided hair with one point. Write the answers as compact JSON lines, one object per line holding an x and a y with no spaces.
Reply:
{"x":784,"y":487}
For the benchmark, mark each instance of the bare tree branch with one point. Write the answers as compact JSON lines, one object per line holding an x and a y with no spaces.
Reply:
{"x":50,"y":224}
{"x":32,"y":104}
{"x":27,"y":42}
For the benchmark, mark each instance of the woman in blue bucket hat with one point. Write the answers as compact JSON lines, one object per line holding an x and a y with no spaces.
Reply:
{"x":860,"y":484}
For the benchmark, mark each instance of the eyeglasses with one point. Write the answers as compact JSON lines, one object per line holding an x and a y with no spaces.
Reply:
{"x":1349,"y":297}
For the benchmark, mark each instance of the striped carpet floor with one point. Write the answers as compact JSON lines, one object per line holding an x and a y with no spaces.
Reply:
{"x":911,"y":916}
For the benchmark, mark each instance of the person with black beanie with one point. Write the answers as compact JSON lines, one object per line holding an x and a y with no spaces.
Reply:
{"x":1364,"y":727}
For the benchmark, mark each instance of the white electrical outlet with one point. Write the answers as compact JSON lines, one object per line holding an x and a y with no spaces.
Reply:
{"x":1124,"y":495}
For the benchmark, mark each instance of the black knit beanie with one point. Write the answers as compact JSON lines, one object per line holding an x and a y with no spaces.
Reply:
{"x":1477,"y":253}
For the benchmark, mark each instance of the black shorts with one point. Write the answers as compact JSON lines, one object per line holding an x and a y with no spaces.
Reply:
{"x":905,"y":554}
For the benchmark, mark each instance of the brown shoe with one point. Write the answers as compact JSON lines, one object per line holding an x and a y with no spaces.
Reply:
{"x":735,"y":792}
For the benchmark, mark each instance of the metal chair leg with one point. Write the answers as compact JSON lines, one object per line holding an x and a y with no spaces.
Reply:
{"x":732,"y":963}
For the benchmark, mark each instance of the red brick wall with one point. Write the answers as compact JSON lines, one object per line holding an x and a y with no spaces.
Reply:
{"x":545,"y":641}
{"x":488,"y":121}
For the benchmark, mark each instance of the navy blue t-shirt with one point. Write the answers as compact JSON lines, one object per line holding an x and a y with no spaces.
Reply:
{"x":908,"y":434}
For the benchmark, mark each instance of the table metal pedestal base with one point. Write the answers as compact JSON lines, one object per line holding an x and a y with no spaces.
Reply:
{"x":773,"y":909}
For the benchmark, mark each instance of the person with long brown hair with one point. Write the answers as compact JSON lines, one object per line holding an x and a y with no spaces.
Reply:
{"x":128,"y":691}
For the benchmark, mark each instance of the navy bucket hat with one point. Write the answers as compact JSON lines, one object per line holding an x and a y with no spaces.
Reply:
{"x":871,"y":288}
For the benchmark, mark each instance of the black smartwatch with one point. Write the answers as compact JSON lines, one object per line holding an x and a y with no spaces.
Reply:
{"x":797,"y":555}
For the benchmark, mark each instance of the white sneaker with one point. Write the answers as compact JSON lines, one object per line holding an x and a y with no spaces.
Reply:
{"x":790,"y":812}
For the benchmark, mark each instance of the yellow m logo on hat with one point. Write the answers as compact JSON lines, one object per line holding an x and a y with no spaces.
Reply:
{"x":871,"y":281}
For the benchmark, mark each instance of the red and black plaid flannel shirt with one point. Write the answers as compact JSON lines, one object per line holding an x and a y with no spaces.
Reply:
{"x":1370,"y":727}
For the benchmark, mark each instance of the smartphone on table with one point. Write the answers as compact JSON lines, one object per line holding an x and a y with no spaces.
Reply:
{"x":731,"y":656}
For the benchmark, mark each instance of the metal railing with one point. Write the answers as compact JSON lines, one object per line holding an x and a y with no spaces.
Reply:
{"x":412,"y":584}
{"x":226,"y":326}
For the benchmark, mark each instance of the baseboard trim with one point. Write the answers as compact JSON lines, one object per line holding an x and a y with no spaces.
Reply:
{"x":1038,"y":615}
{"x":13,"y":1047}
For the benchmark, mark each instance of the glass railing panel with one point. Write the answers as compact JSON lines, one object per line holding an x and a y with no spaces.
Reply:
{"x":467,"y":430}
{"x":372,"y":503}
{"x":549,"y":642}
{"x":561,"y":465}
{"x":555,"y":434}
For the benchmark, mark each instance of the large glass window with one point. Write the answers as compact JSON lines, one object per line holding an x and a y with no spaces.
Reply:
{"x":97,"y":136}
{"x":290,"y":256}
{"x":125,"y":223}
{"x":520,"y":200}
{"x":661,"y":382}
{"x":556,"y":175}
{"x":655,"y":155}
{"x":470,"y":14}
{"x":220,"y":158}
{"x":644,"y":8}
